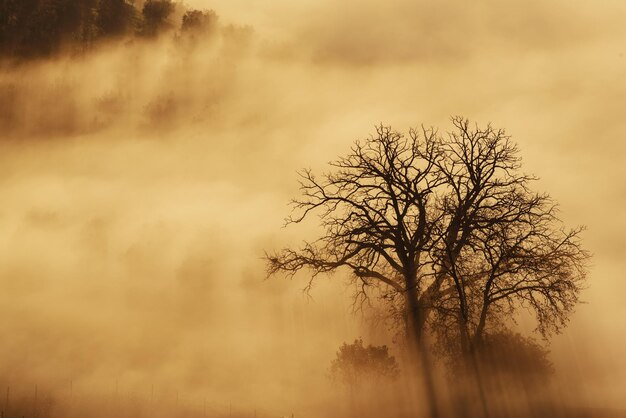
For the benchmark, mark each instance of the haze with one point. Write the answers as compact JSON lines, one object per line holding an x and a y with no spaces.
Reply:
{"x":141,"y":184}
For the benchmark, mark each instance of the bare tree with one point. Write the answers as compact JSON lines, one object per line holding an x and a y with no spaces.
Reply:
{"x":525,"y":261}
{"x":515,"y":250}
{"x":439,"y":223}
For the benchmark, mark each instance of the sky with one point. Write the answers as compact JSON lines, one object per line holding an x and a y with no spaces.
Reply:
{"x":141,"y":185}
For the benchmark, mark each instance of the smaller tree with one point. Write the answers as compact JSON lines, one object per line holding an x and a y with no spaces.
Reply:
{"x":199,"y":21}
{"x":155,"y":16}
{"x":114,"y":17}
{"x":356,"y":364}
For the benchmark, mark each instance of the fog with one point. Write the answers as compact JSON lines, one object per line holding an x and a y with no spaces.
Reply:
{"x":143,"y":181}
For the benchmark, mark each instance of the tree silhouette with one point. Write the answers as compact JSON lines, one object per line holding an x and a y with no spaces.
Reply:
{"x":114,"y":17}
{"x":155,"y":16}
{"x":199,"y":21}
{"x":41,"y":28}
{"x":34,"y":28}
{"x":444,"y":226}
{"x":524,"y":261}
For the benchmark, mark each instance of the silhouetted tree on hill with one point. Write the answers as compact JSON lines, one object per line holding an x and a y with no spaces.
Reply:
{"x":199,"y":21}
{"x":155,"y":16}
{"x":115,"y":17}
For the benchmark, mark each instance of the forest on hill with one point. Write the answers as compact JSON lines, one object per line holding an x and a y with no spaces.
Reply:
{"x":41,"y":28}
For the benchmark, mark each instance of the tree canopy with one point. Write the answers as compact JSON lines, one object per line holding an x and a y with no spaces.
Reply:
{"x":445,"y":225}
{"x":446,"y":229}
{"x":42,"y":28}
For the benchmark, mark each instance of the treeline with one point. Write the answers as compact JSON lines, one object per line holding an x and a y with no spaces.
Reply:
{"x":40,"y":28}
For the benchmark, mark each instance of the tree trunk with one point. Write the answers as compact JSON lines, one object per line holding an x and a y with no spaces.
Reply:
{"x":472,"y":357}
{"x":417,"y":343}
{"x":469,"y":361}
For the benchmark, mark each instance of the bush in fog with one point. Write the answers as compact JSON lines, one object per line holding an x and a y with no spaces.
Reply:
{"x":501,"y":353}
{"x":507,"y":353}
{"x":356,"y":364}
